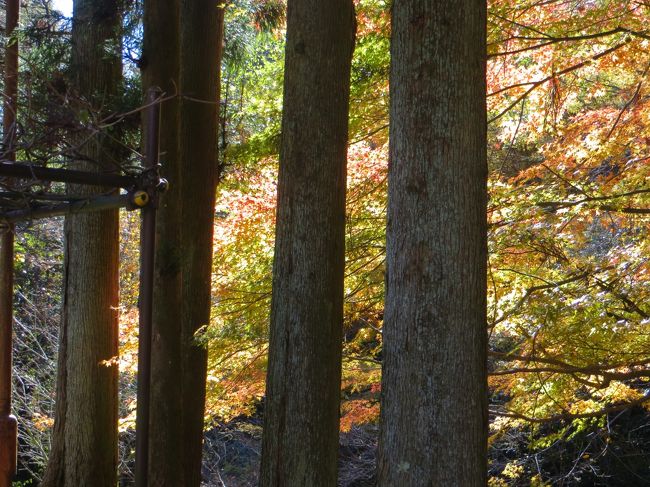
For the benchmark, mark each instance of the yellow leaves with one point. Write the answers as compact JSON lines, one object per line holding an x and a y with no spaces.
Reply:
{"x":536,"y":481}
{"x":618,"y":392}
{"x":42,"y":422}
{"x":127,"y":422}
{"x":111,"y":362}
{"x":499,"y":428}
{"x":512,"y":475}
{"x":236,"y":380}
{"x":513,"y":471}
{"x":128,"y":358}
{"x":497,"y":482}
{"x":234,"y":398}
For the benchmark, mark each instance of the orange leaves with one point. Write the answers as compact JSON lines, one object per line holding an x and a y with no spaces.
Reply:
{"x":42,"y":422}
{"x":373,"y":17}
{"x":235,"y":382}
{"x":366,"y":166}
{"x":551,"y":55}
{"x":358,"y":412}
{"x":237,"y":398}
{"x":361,"y":407}
{"x":245,"y":201}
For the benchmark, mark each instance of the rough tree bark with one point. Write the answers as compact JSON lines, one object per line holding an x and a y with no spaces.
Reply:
{"x":181,"y":54}
{"x":301,"y":423}
{"x":84,"y":444}
{"x":160,"y":67}
{"x":434,"y":399}
{"x":201,"y":40}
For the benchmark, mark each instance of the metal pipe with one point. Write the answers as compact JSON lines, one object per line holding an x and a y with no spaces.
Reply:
{"x":8,"y":424}
{"x":147,"y":252}
{"x":99,"y":203}
{"x":28,"y":171}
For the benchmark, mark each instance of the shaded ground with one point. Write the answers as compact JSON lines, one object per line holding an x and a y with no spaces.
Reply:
{"x":613,"y":452}
{"x":231,"y":455}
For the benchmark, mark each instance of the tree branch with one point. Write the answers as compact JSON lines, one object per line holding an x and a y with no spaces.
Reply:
{"x":536,"y":84}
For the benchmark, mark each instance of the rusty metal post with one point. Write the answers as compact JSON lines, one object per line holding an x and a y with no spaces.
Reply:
{"x":8,"y":425}
{"x":147,"y":252}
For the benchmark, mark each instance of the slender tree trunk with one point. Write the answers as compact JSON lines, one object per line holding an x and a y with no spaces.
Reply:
{"x":201,"y":40}
{"x":301,"y":424}
{"x":160,"y":67}
{"x":434,"y":399}
{"x":84,"y":448}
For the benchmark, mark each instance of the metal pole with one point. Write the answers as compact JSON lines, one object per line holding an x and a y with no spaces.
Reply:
{"x":8,"y":425}
{"x":147,"y":252}
{"x":98,"y":203}
{"x":28,"y":171}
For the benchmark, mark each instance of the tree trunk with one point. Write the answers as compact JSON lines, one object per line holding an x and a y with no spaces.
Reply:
{"x":434,"y":398}
{"x":181,"y":54}
{"x":160,"y":67}
{"x":201,"y":40}
{"x":301,"y":423}
{"x":84,"y":444}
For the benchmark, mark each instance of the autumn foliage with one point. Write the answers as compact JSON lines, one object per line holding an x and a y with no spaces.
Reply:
{"x":568,"y":209}
{"x":569,"y":201}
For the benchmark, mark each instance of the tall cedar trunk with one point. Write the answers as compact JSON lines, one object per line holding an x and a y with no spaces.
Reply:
{"x":434,"y":399}
{"x":182,"y":50}
{"x":160,"y":67}
{"x":301,"y":424}
{"x":201,"y":38}
{"x":84,"y":444}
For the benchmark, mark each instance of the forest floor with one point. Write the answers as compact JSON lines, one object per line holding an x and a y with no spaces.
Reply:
{"x":232,"y":451}
{"x":611,"y":453}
